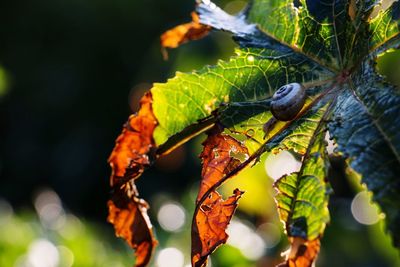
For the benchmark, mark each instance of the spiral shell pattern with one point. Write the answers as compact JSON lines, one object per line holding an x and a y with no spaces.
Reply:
{"x":288,"y":101}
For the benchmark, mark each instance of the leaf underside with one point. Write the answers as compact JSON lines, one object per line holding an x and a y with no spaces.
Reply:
{"x":330,"y":48}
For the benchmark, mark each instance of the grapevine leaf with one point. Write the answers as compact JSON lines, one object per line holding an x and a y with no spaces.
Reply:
{"x":129,"y":216}
{"x":212,"y":214}
{"x":365,"y":126}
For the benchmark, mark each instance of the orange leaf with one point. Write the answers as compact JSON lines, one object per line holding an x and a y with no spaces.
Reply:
{"x":218,"y":160}
{"x":213,"y":214}
{"x":129,"y":216}
{"x":184,"y":33}
{"x":134,"y":147}
{"x":302,"y":253}
{"x":211,"y":221}
{"x":133,"y":152}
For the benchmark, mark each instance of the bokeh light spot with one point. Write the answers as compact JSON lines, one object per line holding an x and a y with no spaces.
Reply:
{"x":170,"y":257}
{"x":171,"y":217}
{"x":66,"y":255}
{"x":42,"y":253}
{"x":363,"y":210}
{"x":241,"y":236}
{"x":280,"y":164}
{"x":270,"y":233}
{"x":73,"y":227}
{"x":49,"y":208}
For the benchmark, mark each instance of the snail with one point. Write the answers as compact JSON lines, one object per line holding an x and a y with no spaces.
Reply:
{"x":285,"y":105}
{"x":287,"y":101}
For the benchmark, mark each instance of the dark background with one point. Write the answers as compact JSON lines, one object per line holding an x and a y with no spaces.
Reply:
{"x":74,"y":67}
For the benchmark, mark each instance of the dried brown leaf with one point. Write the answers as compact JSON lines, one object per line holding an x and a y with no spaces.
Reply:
{"x":183,"y":33}
{"x":128,"y":214}
{"x":218,"y":159}
{"x":133,"y":152}
{"x":213,"y":214}
{"x":134,"y":147}
{"x":302,"y":253}
{"x":210,"y":223}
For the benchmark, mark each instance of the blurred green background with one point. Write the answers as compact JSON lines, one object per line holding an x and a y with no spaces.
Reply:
{"x":71,"y":72}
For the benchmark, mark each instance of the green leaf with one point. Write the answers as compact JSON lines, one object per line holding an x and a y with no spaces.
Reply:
{"x":366,"y":128}
{"x":253,"y":74}
{"x":385,"y":28}
{"x":244,"y":33}
{"x":246,"y":120}
{"x":302,"y":197}
{"x":312,"y":28}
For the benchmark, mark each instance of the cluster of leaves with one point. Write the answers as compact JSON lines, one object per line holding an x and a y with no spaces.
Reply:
{"x":328,"y":46}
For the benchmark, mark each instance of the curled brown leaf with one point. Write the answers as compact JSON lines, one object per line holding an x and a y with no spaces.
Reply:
{"x":302,"y":253}
{"x":135,"y":145}
{"x":213,"y":214}
{"x":133,"y":152}
{"x":128,"y":214}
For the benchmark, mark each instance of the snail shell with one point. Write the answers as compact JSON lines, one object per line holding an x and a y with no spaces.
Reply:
{"x":288,"y":101}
